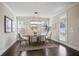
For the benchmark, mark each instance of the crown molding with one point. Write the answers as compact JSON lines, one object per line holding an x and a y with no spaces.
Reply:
{"x":3,"y":3}
{"x":65,"y":9}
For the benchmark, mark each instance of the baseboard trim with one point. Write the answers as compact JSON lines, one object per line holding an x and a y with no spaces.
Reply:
{"x":6,"y":51}
{"x":67,"y":45}
{"x":73,"y":47}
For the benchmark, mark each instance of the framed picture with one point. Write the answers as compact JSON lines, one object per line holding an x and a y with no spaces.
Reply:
{"x":7,"y":24}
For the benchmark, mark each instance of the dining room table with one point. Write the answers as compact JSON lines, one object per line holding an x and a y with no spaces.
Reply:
{"x":29,"y":38}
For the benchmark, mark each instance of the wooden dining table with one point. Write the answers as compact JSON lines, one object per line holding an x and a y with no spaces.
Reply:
{"x":29,"y":38}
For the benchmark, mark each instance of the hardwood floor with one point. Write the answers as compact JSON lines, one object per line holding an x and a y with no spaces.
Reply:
{"x":61,"y":50}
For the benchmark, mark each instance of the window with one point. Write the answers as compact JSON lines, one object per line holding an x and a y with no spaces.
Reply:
{"x":39,"y":26}
{"x":63,"y":28}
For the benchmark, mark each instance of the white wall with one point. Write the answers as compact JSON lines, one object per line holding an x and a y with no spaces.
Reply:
{"x":6,"y":39}
{"x":73,"y":27}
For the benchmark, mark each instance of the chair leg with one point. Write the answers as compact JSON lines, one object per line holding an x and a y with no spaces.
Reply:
{"x":20,"y":43}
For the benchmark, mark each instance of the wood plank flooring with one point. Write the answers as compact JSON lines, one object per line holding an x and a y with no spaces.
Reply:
{"x":61,"y":50}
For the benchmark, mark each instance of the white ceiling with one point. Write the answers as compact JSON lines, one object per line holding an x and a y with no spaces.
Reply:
{"x":43,"y":8}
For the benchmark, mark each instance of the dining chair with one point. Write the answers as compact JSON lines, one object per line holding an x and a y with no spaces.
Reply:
{"x":48,"y":36}
{"x":42,"y":39}
{"x":21,"y":39}
{"x":33,"y":39}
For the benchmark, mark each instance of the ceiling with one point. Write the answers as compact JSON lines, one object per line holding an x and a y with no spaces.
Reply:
{"x":43,"y":8}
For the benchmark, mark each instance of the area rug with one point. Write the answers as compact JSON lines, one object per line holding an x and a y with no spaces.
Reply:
{"x":46,"y":45}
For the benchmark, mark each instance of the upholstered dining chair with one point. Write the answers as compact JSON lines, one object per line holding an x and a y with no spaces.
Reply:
{"x":33,"y":39}
{"x":21,"y":39}
{"x":42,"y":38}
{"x":48,"y":36}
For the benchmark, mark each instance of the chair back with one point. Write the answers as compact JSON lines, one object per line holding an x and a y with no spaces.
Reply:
{"x":49,"y":35}
{"x":34,"y":38}
{"x":19,"y":36}
{"x":42,"y":38}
